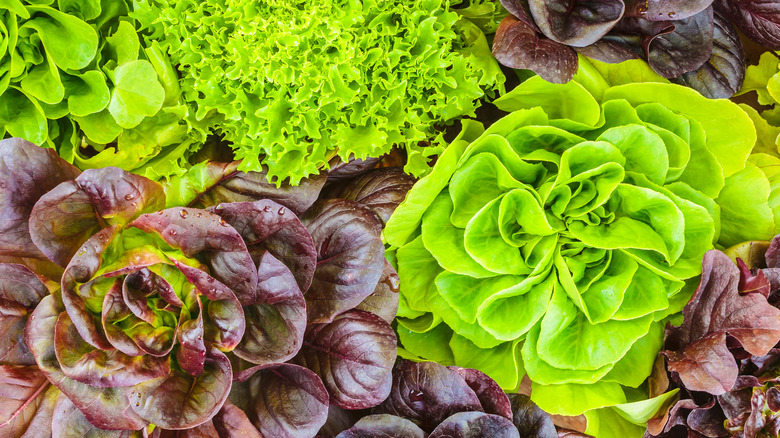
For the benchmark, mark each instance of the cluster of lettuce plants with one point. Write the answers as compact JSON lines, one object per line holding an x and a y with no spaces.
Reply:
{"x":246,"y":310}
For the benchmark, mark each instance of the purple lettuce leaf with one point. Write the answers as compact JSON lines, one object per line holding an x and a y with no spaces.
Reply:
{"x":182,"y":401}
{"x":383,"y":302}
{"x":529,"y":419}
{"x":268,"y":226}
{"x":20,"y":292}
{"x":490,"y":395}
{"x":275,"y":324}
{"x":354,"y":356}
{"x":665,"y":10}
{"x":428,"y":393}
{"x":475,"y":425}
{"x":697,"y":350}
{"x":232,"y":422}
{"x":350,"y":257}
{"x":65,"y":217}
{"x":576,"y":23}
{"x":613,"y":48}
{"x":676,"y":47}
{"x":341,"y":170}
{"x":518,"y":45}
{"x":223,"y":183}
{"x":26,"y":401}
{"x":723,"y":74}
{"x":26,"y":173}
{"x":381,"y":426}
{"x":758,"y":19}
{"x":283,"y":400}
{"x":380,"y":189}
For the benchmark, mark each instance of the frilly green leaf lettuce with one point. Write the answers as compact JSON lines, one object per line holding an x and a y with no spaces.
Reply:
{"x":559,"y":240}
{"x":339,"y":78}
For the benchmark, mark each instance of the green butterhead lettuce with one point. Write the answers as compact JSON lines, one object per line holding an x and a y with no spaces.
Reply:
{"x":558,"y":241}
{"x":339,"y":77}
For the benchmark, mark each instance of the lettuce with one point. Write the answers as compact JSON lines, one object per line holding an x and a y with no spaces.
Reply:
{"x":339,"y":78}
{"x":236,"y":314}
{"x":556,"y":242}
{"x":75,"y":76}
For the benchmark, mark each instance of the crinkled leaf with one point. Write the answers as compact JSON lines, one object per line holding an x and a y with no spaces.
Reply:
{"x":353,"y":355}
{"x":517,"y":45}
{"x":27,"y":172}
{"x":350,"y":257}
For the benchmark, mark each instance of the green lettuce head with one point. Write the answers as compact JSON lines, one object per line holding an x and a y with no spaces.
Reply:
{"x":339,"y":77}
{"x":557,"y":242}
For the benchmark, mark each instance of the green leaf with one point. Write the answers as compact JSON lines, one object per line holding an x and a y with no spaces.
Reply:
{"x":137,"y":94}
{"x":124,"y":43}
{"x":745,"y":218}
{"x":43,"y":82}
{"x":99,"y":127}
{"x":576,"y":399}
{"x":22,"y":116}
{"x":430,"y":345}
{"x":70,"y":42}
{"x":86,"y":93}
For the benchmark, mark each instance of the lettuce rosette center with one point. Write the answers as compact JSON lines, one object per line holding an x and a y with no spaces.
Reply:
{"x":557,"y":242}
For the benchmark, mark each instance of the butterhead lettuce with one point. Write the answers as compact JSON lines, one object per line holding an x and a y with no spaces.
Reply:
{"x":557,"y":242}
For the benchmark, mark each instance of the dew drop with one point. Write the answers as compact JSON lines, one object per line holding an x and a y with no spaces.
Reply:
{"x":199,"y":215}
{"x":129,"y":197}
{"x":415,"y":395}
{"x":159,"y":213}
{"x":267,"y":208}
{"x":183,"y":213}
{"x":172,"y":232}
{"x":219,"y":207}
{"x":671,"y":14}
{"x":222,"y":222}
{"x":134,"y":204}
{"x":281,"y":211}
{"x":82,"y":250}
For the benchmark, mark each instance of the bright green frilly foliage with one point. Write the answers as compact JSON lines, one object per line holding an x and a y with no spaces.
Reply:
{"x":557,"y":241}
{"x":337,"y":77}
{"x":74,"y":74}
